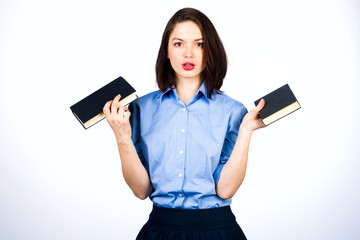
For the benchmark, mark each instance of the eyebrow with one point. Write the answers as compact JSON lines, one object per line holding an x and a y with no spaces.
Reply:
{"x":179,"y":39}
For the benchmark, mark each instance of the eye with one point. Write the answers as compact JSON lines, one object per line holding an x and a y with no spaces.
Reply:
{"x":178,"y":44}
{"x":200,"y":44}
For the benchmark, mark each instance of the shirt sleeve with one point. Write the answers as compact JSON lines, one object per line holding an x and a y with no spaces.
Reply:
{"x":134,"y":108}
{"x":236,"y":116}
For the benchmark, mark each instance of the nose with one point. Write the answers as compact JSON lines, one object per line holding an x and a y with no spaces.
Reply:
{"x":188,"y":51}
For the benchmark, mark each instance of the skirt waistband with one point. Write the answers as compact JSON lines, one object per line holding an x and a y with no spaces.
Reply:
{"x":199,"y":219}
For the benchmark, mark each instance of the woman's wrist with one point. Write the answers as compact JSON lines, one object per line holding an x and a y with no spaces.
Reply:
{"x":247,"y":127}
{"x":245,"y":134}
{"x":244,"y":130}
{"x":123,"y":140}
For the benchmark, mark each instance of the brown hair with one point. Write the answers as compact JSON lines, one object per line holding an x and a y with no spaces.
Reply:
{"x":215,"y":60}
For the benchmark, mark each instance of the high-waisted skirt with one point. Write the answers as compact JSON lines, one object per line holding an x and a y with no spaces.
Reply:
{"x":191,"y":224}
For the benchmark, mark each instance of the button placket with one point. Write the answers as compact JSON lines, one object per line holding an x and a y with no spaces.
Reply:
{"x":181,"y":149}
{"x":182,"y":137}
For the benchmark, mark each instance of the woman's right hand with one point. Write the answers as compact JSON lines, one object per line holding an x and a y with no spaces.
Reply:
{"x":118,"y":119}
{"x":133,"y":170}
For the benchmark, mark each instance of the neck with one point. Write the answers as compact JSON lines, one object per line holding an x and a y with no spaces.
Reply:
{"x":187,"y":88}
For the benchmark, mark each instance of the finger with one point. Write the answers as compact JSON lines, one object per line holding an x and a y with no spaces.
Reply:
{"x":121,"y":111}
{"x":123,"y":108}
{"x":106,"y":108}
{"x":114,"y":108}
{"x":124,"y":112}
{"x":127,"y":114}
{"x":260,"y":105}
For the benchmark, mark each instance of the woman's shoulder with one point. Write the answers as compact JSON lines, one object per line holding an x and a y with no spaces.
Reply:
{"x":229,"y":102}
{"x":148,"y":98}
{"x":230,"y":106}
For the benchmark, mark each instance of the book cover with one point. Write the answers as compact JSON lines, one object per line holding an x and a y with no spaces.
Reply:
{"x":278,"y":104}
{"x":89,"y":110}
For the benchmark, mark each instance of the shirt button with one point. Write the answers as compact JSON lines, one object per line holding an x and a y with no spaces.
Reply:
{"x":184,"y":109}
{"x":182,"y":130}
{"x":181,"y":152}
{"x":180,"y":195}
{"x":180,"y":175}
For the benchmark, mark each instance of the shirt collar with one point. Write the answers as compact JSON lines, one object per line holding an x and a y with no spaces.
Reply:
{"x":167,"y":91}
{"x":202,"y":90}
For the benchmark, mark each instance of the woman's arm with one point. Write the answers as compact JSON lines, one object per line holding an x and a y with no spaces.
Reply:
{"x":233,"y":172}
{"x":133,"y":170}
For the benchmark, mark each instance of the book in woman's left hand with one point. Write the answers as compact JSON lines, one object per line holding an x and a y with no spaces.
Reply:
{"x":278,"y":104}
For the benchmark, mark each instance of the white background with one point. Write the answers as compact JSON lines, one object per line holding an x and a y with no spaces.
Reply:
{"x":59,"y":181}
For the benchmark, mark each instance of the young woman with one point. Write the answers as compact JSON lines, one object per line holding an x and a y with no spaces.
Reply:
{"x":186,"y":145}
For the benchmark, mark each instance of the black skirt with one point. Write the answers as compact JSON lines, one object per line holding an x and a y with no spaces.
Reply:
{"x":191,"y":224}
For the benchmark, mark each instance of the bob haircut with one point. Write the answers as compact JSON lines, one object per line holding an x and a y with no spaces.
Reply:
{"x":214,"y":58}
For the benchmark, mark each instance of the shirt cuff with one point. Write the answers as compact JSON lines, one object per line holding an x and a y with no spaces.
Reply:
{"x":217,"y":172}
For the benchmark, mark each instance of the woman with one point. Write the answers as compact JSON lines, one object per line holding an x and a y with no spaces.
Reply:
{"x":186,"y":145}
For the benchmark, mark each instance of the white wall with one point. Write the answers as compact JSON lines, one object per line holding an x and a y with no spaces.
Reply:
{"x":59,"y":181}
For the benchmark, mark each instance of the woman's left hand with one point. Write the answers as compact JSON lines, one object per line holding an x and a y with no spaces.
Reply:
{"x":233,"y":172}
{"x":252,"y":120}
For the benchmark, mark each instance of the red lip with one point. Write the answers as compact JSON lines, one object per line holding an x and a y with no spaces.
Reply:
{"x":188,"y":66}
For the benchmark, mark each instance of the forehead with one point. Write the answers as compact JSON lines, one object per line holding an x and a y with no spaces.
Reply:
{"x":186,"y":30}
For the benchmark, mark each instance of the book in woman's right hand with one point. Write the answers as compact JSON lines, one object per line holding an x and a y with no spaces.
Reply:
{"x":90,"y":109}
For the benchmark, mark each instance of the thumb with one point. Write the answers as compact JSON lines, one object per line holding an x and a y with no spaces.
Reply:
{"x":260,"y":105}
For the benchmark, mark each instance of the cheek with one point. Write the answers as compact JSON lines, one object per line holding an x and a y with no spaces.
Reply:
{"x":202,"y":60}
{"x":173,"y":56}
{"x":172,"y":52}
{"x":172,"y":60}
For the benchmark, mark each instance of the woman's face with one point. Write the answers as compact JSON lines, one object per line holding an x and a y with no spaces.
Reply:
{"x":185,"y":51}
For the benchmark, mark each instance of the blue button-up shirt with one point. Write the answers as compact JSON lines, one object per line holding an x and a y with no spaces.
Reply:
{"x":184,"y":147}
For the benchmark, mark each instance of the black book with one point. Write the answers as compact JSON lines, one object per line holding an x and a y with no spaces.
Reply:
{"x":90,"y":109}
{"x":278,"y":104}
